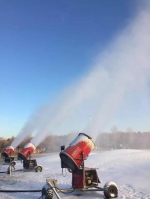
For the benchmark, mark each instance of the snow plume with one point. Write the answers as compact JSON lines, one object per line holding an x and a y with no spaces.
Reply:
{"x":123,"y":68}
{"x":128,"y":67}
{"x":72,"y":99}
{"x":40,"y":116}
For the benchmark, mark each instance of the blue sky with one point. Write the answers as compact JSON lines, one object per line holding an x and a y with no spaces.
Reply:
{"x":45,"y":46}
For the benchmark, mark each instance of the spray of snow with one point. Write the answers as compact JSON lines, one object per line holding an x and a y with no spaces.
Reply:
{"x":40,"y":116}
{"x":129,"y":68}
{"x":124,"y":67}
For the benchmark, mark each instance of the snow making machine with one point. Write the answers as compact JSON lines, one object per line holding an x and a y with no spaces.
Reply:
{"x":25,"y":156}
{"x":83,"y":178}
{"x":7,"y":155}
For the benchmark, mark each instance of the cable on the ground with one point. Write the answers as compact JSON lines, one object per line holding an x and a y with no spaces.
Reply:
{"x":65,"y":191}
{"x":13,"y":191}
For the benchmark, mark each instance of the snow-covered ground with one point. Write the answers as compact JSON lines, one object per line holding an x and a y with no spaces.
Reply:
{"x":129,"y":169}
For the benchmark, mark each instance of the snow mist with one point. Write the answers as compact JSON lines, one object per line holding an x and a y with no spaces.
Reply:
{"x":124,"y":67}
{"x":127,"y":64}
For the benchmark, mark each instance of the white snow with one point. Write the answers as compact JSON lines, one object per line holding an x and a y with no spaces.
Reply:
{"x":129,"y":169}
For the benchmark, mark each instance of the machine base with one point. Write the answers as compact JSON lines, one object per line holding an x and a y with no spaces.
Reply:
{"x":85,"y":178}
{"x":8,"y":159}
{"x":31,"y":164}
{"x":110,"y":190}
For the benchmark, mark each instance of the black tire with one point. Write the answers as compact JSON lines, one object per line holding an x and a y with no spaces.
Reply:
{"x":110,"y":190}
{"x":38,"y":169}
{"x":47,"y":192}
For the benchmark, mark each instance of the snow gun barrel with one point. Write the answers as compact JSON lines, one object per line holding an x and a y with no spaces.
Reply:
{"x":78,"y":150}
{"x":8,"y":151}
{"x":28,"y":149}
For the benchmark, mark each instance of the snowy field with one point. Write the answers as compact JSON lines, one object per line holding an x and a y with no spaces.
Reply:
{"x":129,"y":169}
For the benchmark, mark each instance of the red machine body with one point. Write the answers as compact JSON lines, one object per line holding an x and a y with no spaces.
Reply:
{"x":28,"y":149}
{"x":82,"y":145}
{"x":8,"y":152}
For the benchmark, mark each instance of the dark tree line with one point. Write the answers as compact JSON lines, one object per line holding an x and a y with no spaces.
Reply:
{"x":118,"y":140}
{"x":114,"y":140}
{"x":51,"y":143}
{"x":8,"y":142}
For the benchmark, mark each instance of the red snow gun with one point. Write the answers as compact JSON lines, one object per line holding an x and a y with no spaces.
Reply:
{"x":84,"y":178}
{"x":25,"y":155}
{"x":7,"y":154}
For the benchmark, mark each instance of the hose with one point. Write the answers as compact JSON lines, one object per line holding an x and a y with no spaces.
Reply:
{"x":13,"y":191}
{"x":65,"y":191}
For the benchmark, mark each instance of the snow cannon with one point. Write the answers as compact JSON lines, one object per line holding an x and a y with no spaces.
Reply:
{"x":83,"y":178}
{"x":8,"y":151}
{"x":26,"y":152}
{"x":7,"y":154}
{"x":78,"y":150}
{"x":25,"y":155}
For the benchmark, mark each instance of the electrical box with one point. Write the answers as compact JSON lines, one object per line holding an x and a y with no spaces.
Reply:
{"x":9,"y":159}
{"x":29,"y":164}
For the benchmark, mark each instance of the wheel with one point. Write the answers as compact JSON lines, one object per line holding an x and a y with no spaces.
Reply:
{"x":38,"y":169}
{"x":47,"y":192}
{"x":110,"y":190}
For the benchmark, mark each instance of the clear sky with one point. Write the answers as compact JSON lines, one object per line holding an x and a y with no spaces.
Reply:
{"x":47,"y":45}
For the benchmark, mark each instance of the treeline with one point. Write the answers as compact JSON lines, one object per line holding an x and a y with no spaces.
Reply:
{"x":8,"y":142}
{"x":104,"y":141}
{"x":51,"y":143}
{"x":126,"y":140}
